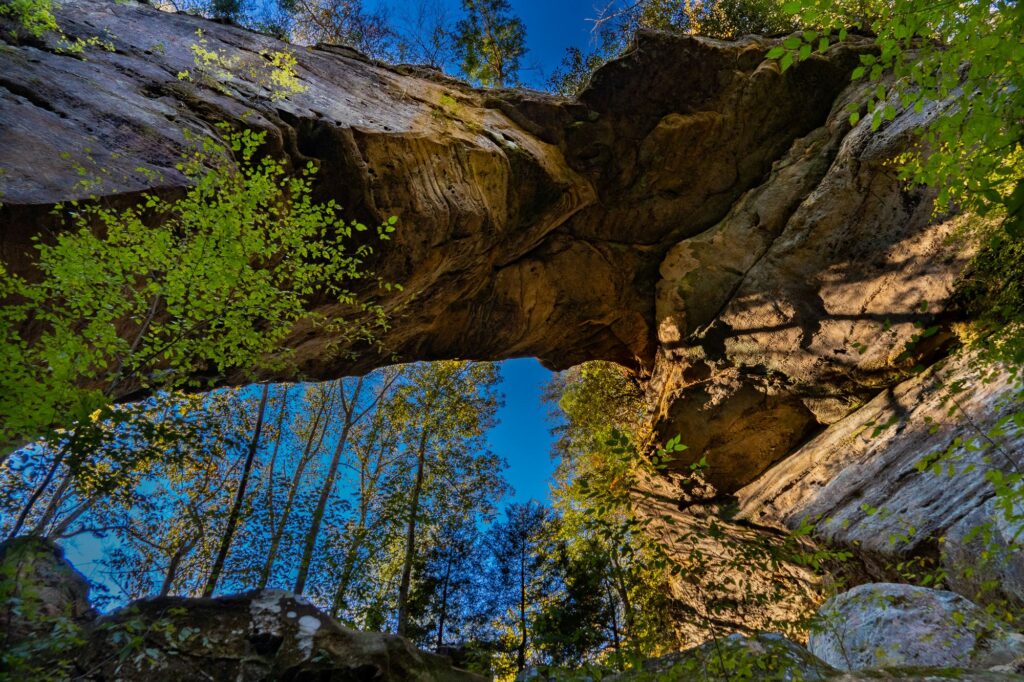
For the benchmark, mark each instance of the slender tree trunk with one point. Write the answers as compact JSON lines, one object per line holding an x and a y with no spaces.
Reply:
{"x":278,"y":436}
{"x":325,"y":490}
{"x":65,"y":523}
{"x":172,"y":567}
{"x":351,"y":554}
{"x":367,"y":488}
{"x":616,"y":643}
{"x":444,"y":604}
{"x":300,"y":467}
{"x":521,"y":657}
{"x":236,"y":507}
{"x":620,"y":587}
{"x":410,"y":536}
{"x":37,"y":493}
{"x":52,"y":506}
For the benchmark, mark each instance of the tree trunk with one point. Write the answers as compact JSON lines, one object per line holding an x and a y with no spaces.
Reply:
{"x":300,"y":467}
{"x":172,"y":567}
{"x":271,"y":521}
{"x":521,"y":657}
{"x":410,"y":536}
{"x":616,"y":643}
{"x":53,"y":505}
{"x":37,"y":493}
{"x":444,"y":604}
{"x":236,"y":507}
{"x":325,"y":490}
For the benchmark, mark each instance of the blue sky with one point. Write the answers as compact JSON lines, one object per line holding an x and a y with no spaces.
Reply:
{"x":523,"y":437}
{"x":551,"y":27}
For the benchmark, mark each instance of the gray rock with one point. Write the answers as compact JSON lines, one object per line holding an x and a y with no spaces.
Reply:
{"x":39,"y":590}
{"x":859,"y":480}
{"x":767,"y":656}
{"x":918,"y":675}
{"x":889,"y":625}
{"x":984,"y":558}
{"x":257,"y":636}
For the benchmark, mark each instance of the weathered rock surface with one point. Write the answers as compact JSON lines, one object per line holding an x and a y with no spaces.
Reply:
{"x":39,"y":590}
{"x":796,"y":307}
{"x":860,"y":481}
{"x":261,"y":635}
{"x":737,"y":577}
{"x":530,"y":225}
{"x":984,"y":558}
{"x":765,"y":656}
{"x":889,"y":625}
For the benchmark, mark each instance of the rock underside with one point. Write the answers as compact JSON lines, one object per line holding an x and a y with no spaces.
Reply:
{"x":714,"y":225}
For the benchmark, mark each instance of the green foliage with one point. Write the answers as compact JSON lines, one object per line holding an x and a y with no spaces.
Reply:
{"x":155,"y":295}
{"x":35,"y":17}
{"x":45,"y":651}
{"x":993,"y":294}
{"x":598,"y":473}
{"x":957,"y":65}
{"x":274,"y":72}
{"x":490,"y":42}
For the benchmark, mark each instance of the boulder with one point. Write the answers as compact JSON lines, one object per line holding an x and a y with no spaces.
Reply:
{"x":260,"y":635}
{"x":766,"y":656}
{"x":40,"y":592}
{"x":890,"y":625}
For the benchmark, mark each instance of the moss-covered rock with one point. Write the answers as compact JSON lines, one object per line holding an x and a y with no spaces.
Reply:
{"x":891,"y":625}
{"x":761,"y":657}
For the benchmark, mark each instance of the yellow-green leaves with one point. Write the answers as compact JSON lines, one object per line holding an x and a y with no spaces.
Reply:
{"x":274,"y":72}
{"x":965,"y":60}
{"x":155,"y":295}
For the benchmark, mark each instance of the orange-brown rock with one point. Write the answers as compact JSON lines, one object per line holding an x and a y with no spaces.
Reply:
{"x":529,"y":225}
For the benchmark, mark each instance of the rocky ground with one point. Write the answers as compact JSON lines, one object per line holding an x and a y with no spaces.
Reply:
{"x":50,"y":631}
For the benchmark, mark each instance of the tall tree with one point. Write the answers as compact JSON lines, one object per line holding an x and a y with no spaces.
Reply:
{"x":236,"y":507}
{"x":319,"y":400}
{"x":490,"y":42}
{"x":451,"y":404}
{"x":517,"y":574}
{"x":354,"y":407}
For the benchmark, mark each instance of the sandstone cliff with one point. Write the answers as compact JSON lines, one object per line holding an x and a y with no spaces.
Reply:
{"x":695,"y":215}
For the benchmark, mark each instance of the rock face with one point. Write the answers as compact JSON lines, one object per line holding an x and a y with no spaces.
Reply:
{"x":262,"y":635}
{"x":987,"y":566}
{"x":887,"y":625}
{"x":694,"y":213}
{"x":765,"y":656}
{"x":39,"y":590}
{"x":796,"y":306}
{"x":904,"y":470}
{"x":530,"y":225}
